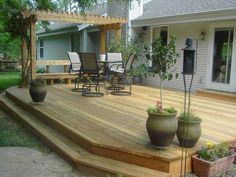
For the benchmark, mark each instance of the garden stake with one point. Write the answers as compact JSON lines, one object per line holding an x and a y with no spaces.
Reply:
{"x":188,"y":69}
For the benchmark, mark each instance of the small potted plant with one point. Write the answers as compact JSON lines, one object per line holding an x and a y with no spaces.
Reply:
{"x":213,"y":159}
{"x":161,"y":123}
{"x":189,"y":129}
{"x":138,"y":72}
{"x":38,"y":90}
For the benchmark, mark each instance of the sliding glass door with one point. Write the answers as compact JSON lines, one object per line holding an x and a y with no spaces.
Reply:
{"x":222,"y":60}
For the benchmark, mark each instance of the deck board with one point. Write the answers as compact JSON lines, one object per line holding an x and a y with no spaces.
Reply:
{"x":120,"y":121}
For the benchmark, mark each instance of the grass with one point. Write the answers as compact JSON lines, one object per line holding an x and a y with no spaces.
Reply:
{"x":8,"y":79}
{"x":13,"y":134}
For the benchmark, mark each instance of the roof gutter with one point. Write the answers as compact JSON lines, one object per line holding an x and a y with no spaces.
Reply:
{"x":228,"y":14}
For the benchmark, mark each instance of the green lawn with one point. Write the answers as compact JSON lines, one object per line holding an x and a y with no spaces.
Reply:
{"x":8,"y":79}
{"x":14,"y":134}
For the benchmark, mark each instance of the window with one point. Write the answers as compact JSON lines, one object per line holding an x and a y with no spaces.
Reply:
{"x":160,"y":32}
{"x":41,"y":52}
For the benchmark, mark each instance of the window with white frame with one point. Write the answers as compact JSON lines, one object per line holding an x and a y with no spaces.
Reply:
{"x":41,"y":48}
{"x":159,"y":31}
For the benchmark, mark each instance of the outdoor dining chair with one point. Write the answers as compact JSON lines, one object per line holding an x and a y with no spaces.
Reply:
{"x":119,"y":79}
{"x":75,"y":66}
{"x":93,"y":79}
{"x":114,"y":60}
{"x":114,"y":57}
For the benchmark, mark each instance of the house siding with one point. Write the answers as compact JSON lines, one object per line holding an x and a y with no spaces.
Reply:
{"x":183,"y":31}
{"x":75,"y":42}
{"x":55,"y":47}
{"x":92,"y":44}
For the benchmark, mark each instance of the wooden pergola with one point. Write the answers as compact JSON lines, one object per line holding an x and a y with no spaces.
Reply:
{"x":105,"y":24}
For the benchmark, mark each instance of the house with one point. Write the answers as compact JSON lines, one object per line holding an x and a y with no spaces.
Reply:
{"x":212,"y":26}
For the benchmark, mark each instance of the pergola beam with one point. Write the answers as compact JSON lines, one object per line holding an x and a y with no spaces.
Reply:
{"x":74,"y":17}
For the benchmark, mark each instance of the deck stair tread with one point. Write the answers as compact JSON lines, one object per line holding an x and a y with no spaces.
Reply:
{"x":56,"y":110}
{"x":72,"y":150}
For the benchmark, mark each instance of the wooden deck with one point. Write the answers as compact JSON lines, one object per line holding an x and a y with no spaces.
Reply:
{"x":113,"y":127}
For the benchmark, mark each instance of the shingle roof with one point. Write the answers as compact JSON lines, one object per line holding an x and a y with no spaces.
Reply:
{"x":162,"y":8}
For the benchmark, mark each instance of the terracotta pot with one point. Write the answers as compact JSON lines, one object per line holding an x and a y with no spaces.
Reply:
{"x":161,"y":128}
{"x":205,"y":168}
{"x":188,"y":132}
{"x":233,"y":148}
{"x":38,"y":93}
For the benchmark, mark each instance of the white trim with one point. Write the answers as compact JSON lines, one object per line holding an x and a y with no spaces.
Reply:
{"x":228,"y":14}
{"x":231,"y":87}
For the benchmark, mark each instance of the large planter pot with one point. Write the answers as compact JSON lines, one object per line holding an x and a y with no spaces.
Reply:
{"x":161,"y":128}
{"x":38,"y":92}
{"x":205,"y":168}
{"x":188,"y":132}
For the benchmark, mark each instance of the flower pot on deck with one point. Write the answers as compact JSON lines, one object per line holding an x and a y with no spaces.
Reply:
{"x":161,"y":128}
{"x":233,"y":148}
{"x":38,"y":92}
{"x":205,"y":168}
{"x":189,"y":132}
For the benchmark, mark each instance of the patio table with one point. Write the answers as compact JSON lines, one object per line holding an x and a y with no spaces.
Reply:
{"x":104,"y":64}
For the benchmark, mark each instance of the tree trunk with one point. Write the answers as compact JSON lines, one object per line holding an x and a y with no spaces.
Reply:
{"x":161,"y":90}
{"x":24,"y":58}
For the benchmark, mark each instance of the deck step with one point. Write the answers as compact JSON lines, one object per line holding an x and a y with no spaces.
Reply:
{"x":49,"y":116}
{"x":102,"y":166}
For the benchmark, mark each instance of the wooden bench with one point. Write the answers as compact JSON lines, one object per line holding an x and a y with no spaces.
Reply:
{"x":49,"y":76}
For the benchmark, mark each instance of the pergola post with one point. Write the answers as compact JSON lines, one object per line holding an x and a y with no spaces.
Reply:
{"x":102,"y":40}
{"x":33,"y":46}
{"x":118,"y":34}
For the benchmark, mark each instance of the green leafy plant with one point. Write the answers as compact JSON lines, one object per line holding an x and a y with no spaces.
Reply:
{"x":163,"y":59}
{"x":212,"y":152}
{"x":135,"y":45}
{"x":158,"y":109}
{"x":139,"y":70}
{"x":188,"y":117}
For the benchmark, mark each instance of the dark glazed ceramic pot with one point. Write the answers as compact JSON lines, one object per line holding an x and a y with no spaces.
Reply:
{"x":38,"y":93}
{"x":161,"y":128}
{"x":189,"y":132}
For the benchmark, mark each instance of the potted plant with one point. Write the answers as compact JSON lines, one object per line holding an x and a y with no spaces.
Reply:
{"x":233,"y":148}
{"x":161,"y":123}
{"x":189,"y":129}
{"x":138,"y":72}
{"x":213,"y":159}
{"x":38,"y":90}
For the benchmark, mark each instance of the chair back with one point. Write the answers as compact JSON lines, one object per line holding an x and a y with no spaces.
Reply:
{"x":89,"y":63}
{"x":75,"y":63}
{"x":114,"y":57}
{"x":129,"y":62}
